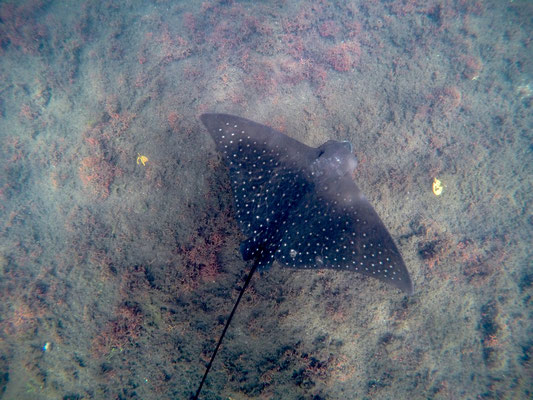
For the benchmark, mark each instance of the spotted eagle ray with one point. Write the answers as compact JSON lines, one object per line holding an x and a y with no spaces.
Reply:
{"x":299,"y":206}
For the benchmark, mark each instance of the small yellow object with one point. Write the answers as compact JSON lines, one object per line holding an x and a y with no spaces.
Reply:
{"x":437,"y":187}
{"x":141,"y":159}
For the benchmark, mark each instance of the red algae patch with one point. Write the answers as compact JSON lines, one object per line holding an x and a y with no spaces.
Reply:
{"x":97,"y":175}
{"x":344,"y":56}
{"x":328,"y":29}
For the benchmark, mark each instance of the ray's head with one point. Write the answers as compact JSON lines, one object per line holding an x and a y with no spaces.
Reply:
{"x":334,"y":159}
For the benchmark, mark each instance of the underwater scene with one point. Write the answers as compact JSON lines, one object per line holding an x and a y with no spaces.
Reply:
{"x":349,"y":183}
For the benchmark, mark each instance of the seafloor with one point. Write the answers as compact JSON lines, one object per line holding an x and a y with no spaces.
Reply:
{"x":116,"y":277}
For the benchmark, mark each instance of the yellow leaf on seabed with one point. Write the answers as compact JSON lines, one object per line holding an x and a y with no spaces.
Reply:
{"x":437,"y":187}
{"x":141,"y":159}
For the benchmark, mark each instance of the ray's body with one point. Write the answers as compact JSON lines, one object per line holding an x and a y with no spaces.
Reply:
{"x":299,"y":205}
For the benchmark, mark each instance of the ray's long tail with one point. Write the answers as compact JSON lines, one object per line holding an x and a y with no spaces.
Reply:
{"x":246,"y":283}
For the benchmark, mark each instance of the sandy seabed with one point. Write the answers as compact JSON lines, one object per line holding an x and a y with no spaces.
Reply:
{"x":119,"y":258}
